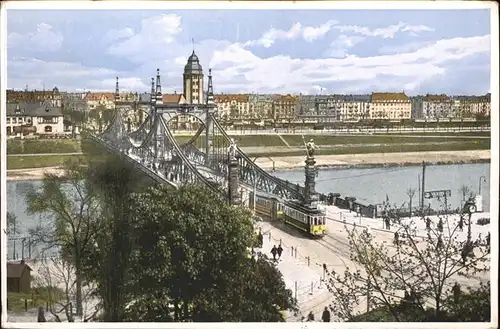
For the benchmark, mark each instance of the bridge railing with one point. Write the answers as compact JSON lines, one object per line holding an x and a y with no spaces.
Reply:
{"x":296,"y":193}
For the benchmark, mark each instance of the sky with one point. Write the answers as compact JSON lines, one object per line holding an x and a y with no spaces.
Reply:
{"x":253,"y":51}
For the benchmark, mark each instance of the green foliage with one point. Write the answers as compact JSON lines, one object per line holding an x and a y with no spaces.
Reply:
{"x":71,"y":208}
{"x":472,"y":306}
{"x":42,"y":146}
{"x":194,"y":250}
{"x":39,"y":296}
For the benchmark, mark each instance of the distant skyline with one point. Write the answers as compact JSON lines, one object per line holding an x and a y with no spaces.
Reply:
{"x":253,"y":51}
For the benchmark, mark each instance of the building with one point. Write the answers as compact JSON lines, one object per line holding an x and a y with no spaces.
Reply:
{"x":435,"y":107}
{"x":307,"y":105}
{"x":285,"y":107}
{"x":34,"y":117}
{"x":262,"y":106}
{"x":18,"y":277}
{"x":53,"y":96}
{"x":95,"y":100}
{"x":193,"y":81}
{"x":390,"y":106}
{"x":355,"y":108}
{"x":234,"y":106}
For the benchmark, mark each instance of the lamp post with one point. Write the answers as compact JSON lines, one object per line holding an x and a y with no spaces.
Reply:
{"x":481,"y":180}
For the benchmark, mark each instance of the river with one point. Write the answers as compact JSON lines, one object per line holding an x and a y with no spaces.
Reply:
{"x":370,"y":186}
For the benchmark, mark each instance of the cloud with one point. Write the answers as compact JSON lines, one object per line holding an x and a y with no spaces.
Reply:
{"x":272,"y":35}
{"x":156,"y":31}
{"x":66,"y":76}
{"x":117,"y":34}
{"x":43,"y":39}
{"x":384,"y":32}
{"x":285,"y":74}
{"x":312,"y":33}
{"x":341,"y":44}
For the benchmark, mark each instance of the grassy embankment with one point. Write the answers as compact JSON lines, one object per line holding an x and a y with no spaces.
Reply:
{"x":44,"y":296}
{"x":380,"y":143}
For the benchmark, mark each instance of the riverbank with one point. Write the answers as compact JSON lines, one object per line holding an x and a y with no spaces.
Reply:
{"x":341,"y":161}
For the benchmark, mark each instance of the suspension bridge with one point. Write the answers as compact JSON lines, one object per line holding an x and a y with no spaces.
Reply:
{"x":152,"y":148}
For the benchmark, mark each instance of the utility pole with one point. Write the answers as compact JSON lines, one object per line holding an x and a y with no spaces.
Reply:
{"x":423,"y":186}
{"x":419,"y":193}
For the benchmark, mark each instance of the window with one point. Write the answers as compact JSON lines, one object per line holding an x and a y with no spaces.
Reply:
{"x":8,"y":120}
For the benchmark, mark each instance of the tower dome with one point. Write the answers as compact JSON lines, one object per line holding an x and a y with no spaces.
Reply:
{"x":193,"y":65}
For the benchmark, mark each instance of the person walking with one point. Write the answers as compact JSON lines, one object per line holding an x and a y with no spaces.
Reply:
{"x":326,"y":315}
{"x":274,"y":251}
{"x":280,"y":251}
{"x":310,"y":317}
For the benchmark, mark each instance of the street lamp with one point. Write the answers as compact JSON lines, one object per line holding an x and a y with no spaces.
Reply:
{"x":481,"y":179}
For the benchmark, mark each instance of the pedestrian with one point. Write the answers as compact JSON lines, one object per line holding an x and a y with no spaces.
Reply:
{"x":326,"y":315}
{"x":387,"y":223}
{"x":261,"y":239}
{"x":488,"y":239}
{"x":461,"y":223}
{"x":274,"y":251}
{"x":280,"y":251}
{"x":310,"y":317}
{"x":427,"y":223}
{"x":396,"y":238}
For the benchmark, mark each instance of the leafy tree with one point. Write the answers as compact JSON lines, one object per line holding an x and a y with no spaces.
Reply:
{"x":473,"y":305}
{"x":192,"y":261}
{"x":417,"y":270}
{"x":107,"y":263}
{"x":102,"y":116}
{"x":71,"y":210}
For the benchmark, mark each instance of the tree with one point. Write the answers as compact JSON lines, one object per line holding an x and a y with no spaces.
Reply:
{"x":416,"y":270}
{"x":192,"y":261}
{"x":71,"y":211}
{"x":107,"y":263}
{"x":12,"y":228}
{"x":410,"y":193}
{"x":56,"y":276}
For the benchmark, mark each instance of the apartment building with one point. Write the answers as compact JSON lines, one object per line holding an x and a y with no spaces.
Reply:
{"x":435,"y":107}
{"x":234,"y":106}
{"x":390,"y":106}
{"x":285,"y":107}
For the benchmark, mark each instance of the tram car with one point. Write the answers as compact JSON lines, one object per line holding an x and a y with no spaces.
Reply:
{"x":310,"y":221}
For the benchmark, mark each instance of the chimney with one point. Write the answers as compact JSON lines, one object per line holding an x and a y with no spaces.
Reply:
{"x":22,"y":262}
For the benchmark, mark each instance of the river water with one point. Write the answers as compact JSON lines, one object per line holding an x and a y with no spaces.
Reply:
{"x":370,"y":186}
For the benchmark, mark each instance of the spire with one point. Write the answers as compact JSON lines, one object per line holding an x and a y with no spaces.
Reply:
{"x":117,"y":90}
{"x":210,"y":91}
{"x":159,"y":98}
{"x":192,"y":40}
{"x":153,"y":96}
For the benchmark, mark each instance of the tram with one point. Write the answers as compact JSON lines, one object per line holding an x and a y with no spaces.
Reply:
{"x":310,"y":221}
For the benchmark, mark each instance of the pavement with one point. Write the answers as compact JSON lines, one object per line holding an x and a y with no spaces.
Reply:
{"x":339,"y":215}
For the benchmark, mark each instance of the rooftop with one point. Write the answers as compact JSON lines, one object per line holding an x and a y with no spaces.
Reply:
{"x":193,"y":65}
{"x":15,"y":270}
{"x":33,"y":109}
{"x":387,"y":97}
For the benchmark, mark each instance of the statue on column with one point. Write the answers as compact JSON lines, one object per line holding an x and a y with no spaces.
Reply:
{"x":232,"y":149}
{"x":310,"y":147}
